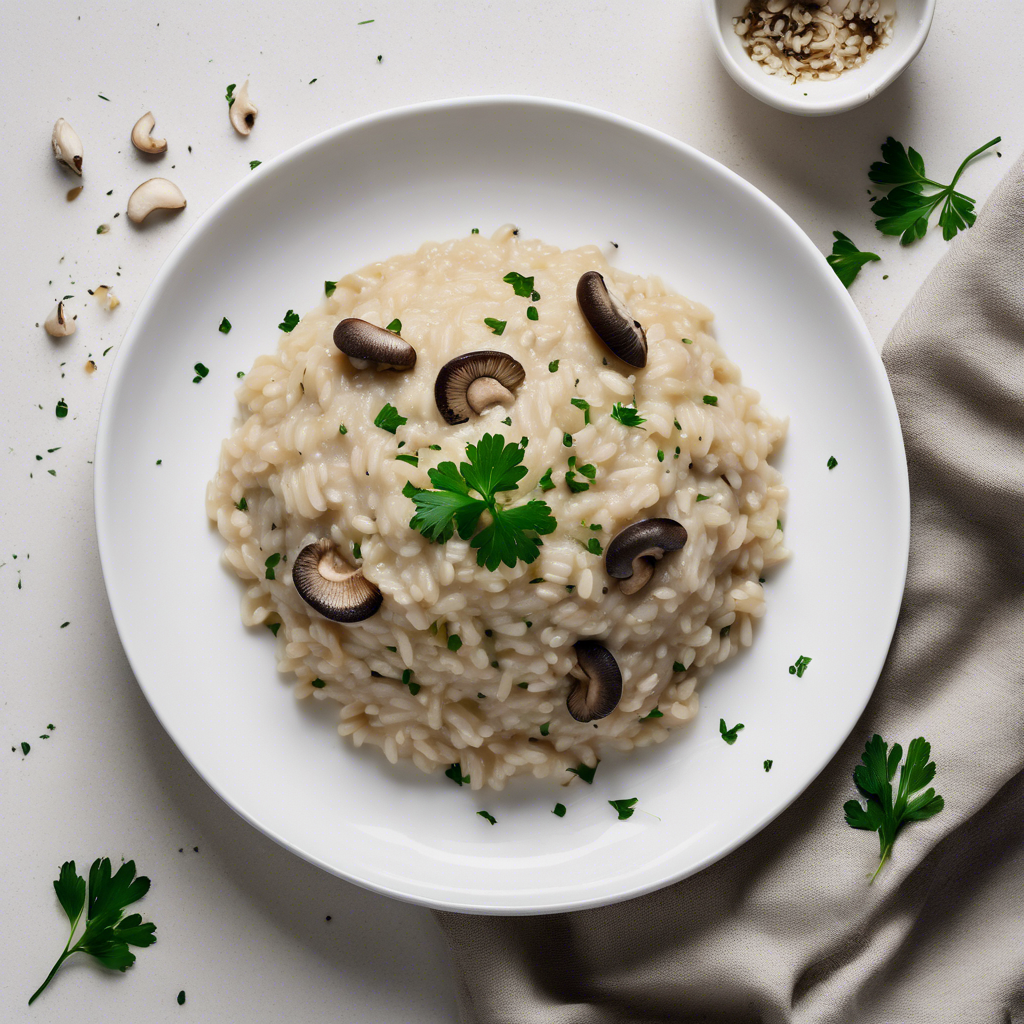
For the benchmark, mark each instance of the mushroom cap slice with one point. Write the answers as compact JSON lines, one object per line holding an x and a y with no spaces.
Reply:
{"x":597,"y":682}
{"x":474,"y":381}
{"x":611,"y":321}
{"x":631,"y":555}
{"x":365,"y":344}
{"x":328,"y":584}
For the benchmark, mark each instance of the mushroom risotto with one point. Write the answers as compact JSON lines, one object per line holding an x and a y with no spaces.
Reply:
{"x":506,"y":505}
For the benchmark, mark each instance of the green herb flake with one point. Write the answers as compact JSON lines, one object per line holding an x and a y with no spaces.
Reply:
{"x":522,"y":286}
{"x":703,"y":497}
{"x":846,"y":259}
{"x":411,"y":459}
{"x":724,"y":631}
{"x":799,"y":667}
{"x":369,"y":21}
{"x":883,"y":814}
{"x":678,"y":666}
{"x":342,"y":429}
{"x":653,"y":714}
{"x":594,"y":546}
{"x":489,"y":817}
{"x":474,"y":231}
{"x":455,"y":774}
{"x":523,"y":686}
{"x":389,"y":419}
{"x":200,"y":371}
{"x":62,"y":409}
{"x":329,"y":288}
{"x":768,"y":766}
{"x":624,"y":807}
{"x":25,"y":748}
{"x":107,"y":934}
{"x":290,"y":322}
{"x":567,"y":440}
{"x":559,"y":810}
{"x":225,"y":326}
{"x":545,"y":483}
{"x":627,"y":416}
{"x":582,"y":403}
{"x":414,"y":688}
{"x":583,"y":772}
{"x":729,"y":735}
{"x":395,"y":325}
{"x":240,"y":374}
{"x":181,"y":998}
{"x":498,"y":326}
{"x":531,"y":313}
{"x":274,"y":627}
{"x":544,"y":728}
{"x":832,"y":462}
{"x":711,"y":399}
{"x":661,"y":455}
{"x":686,"y":341}
{"x":357,"y":549}
{"x":270,"y":563}
{"x":317,"y":684}
{"x":229,"y":95}
{"x":454,"y":642}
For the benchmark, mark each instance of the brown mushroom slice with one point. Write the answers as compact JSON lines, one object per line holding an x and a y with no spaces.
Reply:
{"x":597,"y":682}
{"x":368,"y":345}
{"x":328,"y":584}
{"x":474,"y":381}
{"x":631,"y":555}
{"x":611,"y":321}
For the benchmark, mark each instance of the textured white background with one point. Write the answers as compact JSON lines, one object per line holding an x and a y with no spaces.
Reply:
{"x":241,"y":923}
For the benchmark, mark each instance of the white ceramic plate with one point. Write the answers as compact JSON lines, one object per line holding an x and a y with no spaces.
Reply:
{"x":569,"y":175}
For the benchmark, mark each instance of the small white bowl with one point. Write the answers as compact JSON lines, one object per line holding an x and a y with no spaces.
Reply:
{"x":850,"y":89}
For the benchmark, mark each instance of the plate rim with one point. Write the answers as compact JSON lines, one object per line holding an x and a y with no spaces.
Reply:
{"x":130,"y":339}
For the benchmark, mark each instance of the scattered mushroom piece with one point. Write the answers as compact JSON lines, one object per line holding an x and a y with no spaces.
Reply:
{"x":611,"y":321}
{"x":242,"y":112}
{"x":474,"y":381}
{"x":328,"y":584}
{"x":597,"y":682}
{"x":59,"y":324}
{"x":105,"y":297}
{"x":74,"y":193}
{"x":142,"y":138}
{"x":154,"y":194}
{"x":67,"y":146}
{"x":633,"y":551}
{"x":368,"y":345}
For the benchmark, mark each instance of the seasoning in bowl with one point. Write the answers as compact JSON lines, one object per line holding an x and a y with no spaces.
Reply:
{"x":813,"y":40}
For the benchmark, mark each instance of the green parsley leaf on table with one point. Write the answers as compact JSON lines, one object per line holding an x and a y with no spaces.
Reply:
{"x":253,"y":164}
{"x":624,"y":807}
{"x":489,"y":817}
{"x":627,"y":416}
{"x":559,"y":810}
{"x":874,"y":776}
{"x":846,"y":259}
{"x":583,"y":772}
{"x":389,"y":418}
{"x":729,"y":735}
{"x":768,"y":765}
{"x":914,"y":197}
{"x":520,"y":285}
{"x":290,"y":322}
{"x":229,"y":95}
{"x":492,"y":467}
{"x":62,"y":409}
{"x":799,"y":667}
{"x":107,"y":934}
{"x":225,"y":326}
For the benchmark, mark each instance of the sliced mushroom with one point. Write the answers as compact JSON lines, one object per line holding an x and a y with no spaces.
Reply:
{"x":141,"y":137}
{"x":611,"y":320}
{"x":154,"y":194}
{"x":474,"y":381}
{"x":67,"y":146}
{"x":367,"y":345}
{"x":58,"y":324}
{"x":328,"y":584}
{"x":242,"y":112}
{"x":633,"y":551}
{"x":597,"y":682}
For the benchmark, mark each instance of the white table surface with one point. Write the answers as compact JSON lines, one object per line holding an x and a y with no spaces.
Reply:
{"x":241,"y":923}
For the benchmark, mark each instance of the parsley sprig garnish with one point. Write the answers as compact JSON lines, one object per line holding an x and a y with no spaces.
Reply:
{"x":846,"y":259}
{"x":462,"y":494}
{"x":874,"y":777}
{"x":907,"y":207}
{"x":107,"y":934}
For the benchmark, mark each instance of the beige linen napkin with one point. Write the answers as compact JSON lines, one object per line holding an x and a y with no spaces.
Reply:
{"x":787,"y":928}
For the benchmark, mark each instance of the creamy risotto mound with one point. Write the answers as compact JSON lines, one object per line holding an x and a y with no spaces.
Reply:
{"x":507,"y":506}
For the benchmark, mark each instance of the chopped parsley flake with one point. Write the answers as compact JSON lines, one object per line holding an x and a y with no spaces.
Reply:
{"x":832,"y":462}
{"x":653,"y":714}
{"x":531,"y":313}
{"x":686,"y":341}
{"x":567,"y":440}
{"x":230,"y":94}
{"x":240,"y":374}
{"x":225,"y":326}
{"x":274,"y":627}
{"x":582,"y":403}
{"x":520,"y":285}
{"x":523,"y":686}
{"x":624,"y":807}
{"x":411,"y":459}
{"x":498,"y":326}
{"x":330,"y":287}
{"x":489,"y":817}
{"x":369,"y":21}
{"x":678,"y":666}
{"x":545,"y":483}
{"x":454,"y":642}
{"x":317,"y":684}
{"x":474,"y":231}
{"x":414,"y":688}
{"x":253,"y":164}
{"x":62,"y":409}
{"x":242,"y":505}
{"x":389,"y":419}
{"x":553,"y":366}
{"x":559,"y":810}
{"x":711,"y":399}
{"x":661,"y":455}
{"x":729,"y":735}
{"x":290,"y":322}
{"x":544,"y":728}
{"x":583,"y":772}
{"x":724,"y":631}
{"x":357,"y":550}
{"x":539,"y":579}
{"x":799,"y":666}
{"x":181,"y":998}
{"x":63,"y":624}
{"x":270,"y":563}
{"x":395,"y":325}
{"x":594,"y":546}
{"x":703,"y":497}
{"x":768,"y":766}
{"x":25,"y":748}
{"x":455,"y":774}
{"x":201,"y":371}
{"x":627,"y":416}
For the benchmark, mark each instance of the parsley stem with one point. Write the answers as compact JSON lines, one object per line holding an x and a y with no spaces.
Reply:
{"x":885,"y":857}
{"x":977,"y":152}
{"x":67,"y":952}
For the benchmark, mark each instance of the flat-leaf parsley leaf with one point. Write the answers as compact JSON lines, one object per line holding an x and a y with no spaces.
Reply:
{"x":874,"y":779}
{"x":846,"y":259}
{"x":492,"y":466}
{"x":520,"y":285}
{"x":583,"y":772}
{"x":107,"y":934}
{"x":389,"y":418}
{"x":627,"y":416}
{"x":290,"y":322}
{"x":624,"y":807}
{"x":498,"y":326}
{"x":729,"y":735}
